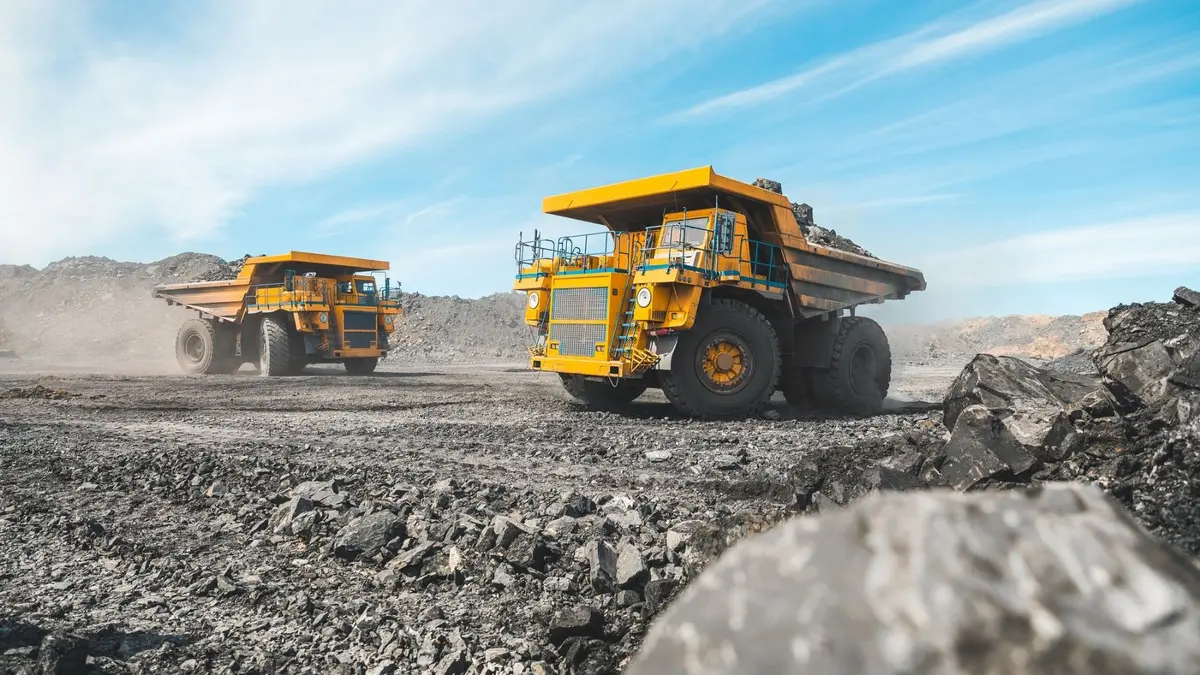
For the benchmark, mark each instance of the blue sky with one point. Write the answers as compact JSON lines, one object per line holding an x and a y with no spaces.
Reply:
{"x":1030,"y":156}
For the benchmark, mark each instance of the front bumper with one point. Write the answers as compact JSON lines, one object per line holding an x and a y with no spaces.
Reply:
{"x":585,"y":367}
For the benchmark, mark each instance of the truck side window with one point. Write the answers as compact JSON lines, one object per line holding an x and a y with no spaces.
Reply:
{"x":345,"y":287}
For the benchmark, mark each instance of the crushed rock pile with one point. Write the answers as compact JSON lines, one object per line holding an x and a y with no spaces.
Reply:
{"x":1132,"y":428}
{"x":37,"y":391}
{"x":99,"y":307}
{"x":813,"y":233}
{"x":448,"y":577}
{"x":442,"y":329}
{"x":1040,"y":338}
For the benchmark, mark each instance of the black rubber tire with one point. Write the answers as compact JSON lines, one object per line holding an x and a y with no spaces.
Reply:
{"x":204,"y":348}
{"x":682,"y":385}
{"x":602,"y":395}
{"x":361,"y":366}
{"x":275,"y":357}
{"x":860,"y":368}
{"x":793,"y":382}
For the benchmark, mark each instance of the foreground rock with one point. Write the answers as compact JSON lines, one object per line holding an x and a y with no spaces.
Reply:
{"x":1059,"y":580}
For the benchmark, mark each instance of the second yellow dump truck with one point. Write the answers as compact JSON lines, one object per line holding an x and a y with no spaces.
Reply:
{"x":705,"y":287}
{"x":283,"y":312}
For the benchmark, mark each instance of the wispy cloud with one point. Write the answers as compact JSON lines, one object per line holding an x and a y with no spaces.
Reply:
{"x":930,"y":45}
{"x":104,"y":136}
{"x":1123,"y":249}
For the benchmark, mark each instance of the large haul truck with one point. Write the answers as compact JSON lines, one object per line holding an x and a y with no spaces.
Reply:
{"x":283,"y":312}
{"x":705,"y":287}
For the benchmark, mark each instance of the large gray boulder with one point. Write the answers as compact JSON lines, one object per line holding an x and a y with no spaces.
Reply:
{"x":366,"y":535}
{"x":981,"y":449}
{"x":1032,"y":404}
{"x":1056,"y":580}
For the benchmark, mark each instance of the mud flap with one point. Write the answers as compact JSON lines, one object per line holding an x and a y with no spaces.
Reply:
{"x":664,"y":346}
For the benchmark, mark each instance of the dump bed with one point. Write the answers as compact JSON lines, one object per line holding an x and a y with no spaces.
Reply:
{"x":226,"y":300}
{"x":821,"y":279}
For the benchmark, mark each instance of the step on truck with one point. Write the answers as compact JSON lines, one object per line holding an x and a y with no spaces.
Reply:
{"x":283,"y":312}
{"x":706,"y":288}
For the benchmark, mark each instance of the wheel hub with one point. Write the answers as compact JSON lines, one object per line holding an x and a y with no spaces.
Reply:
{"x":724,"y":364}
{"x":194,"y":348}
{"x":864,"y":370}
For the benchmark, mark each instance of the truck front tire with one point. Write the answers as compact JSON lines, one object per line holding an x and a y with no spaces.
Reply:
{"x":726,"y":366}
{"x":275,"y":349}
{"x":203,"y":347}
{"x":602,"y":395}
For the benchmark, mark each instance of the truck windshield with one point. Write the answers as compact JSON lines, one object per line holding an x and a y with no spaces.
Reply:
{"x":366,"y":286}
{"x":690,"y":232}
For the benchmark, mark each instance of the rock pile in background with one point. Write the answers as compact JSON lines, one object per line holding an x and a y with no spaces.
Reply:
{"x":1051,"y":581}
{"x":451,"y":329}
{"x":99,"y":310}
{"x":98,"y":307}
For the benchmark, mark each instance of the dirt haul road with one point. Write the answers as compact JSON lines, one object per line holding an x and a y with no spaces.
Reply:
{"x":463,"y":520}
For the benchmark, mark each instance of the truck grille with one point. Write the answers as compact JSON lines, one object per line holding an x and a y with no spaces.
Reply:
{"x":359,"y":320}
{"x":577,"y":339}
{"x":359,"y":340}
{"x":579,"y":304}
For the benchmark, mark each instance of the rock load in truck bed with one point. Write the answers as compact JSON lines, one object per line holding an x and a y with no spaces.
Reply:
{"x":813,"y":233}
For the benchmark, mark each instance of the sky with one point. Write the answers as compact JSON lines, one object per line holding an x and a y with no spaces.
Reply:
{"x":1035,"y":156}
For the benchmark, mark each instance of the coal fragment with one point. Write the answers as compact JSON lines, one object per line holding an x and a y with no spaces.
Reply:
{"x":367,"y":535}
{"x":576,"y":622}
{"x":1186,"y":297}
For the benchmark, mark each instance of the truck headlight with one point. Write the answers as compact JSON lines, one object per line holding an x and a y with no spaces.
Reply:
{"x":324,"y":317}
{"x":388,"y":319}
{"x":643,"y":297}
{"x":535,"y":299}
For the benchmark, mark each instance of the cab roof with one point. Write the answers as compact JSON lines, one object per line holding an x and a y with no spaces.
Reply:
{"x":639,"y":203}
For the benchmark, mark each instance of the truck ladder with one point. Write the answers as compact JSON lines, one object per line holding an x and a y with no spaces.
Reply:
{"x":624,"y":346}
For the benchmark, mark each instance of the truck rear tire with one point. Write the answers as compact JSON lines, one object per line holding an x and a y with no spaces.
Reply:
{"x":726,"y":366}
{"x":860,"y":369}
{"x":602,"y":395}
{"x":203,"y":347}
{"x":275,"y":353}
{"x":364,"y":366}
{"x":794,"y":384}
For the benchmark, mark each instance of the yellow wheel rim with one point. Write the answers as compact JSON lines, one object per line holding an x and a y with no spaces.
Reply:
{"x":724,"y":363}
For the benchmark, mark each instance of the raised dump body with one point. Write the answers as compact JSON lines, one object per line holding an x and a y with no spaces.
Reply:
{"x":705,"y":287}
{"x":286,"y":311}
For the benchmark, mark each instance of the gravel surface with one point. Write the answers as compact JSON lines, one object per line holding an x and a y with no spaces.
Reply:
{"x":475,"y":519}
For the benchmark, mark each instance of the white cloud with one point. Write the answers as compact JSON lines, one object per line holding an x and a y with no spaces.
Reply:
{"x":102,"y":137}
{"x":1123,"y":249}
{"x":924,"y":47}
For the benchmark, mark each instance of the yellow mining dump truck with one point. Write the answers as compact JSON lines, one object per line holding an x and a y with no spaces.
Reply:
{"x":705,"y":287}
{"x":283,"y":312}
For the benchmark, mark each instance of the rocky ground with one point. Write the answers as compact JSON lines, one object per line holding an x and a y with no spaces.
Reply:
{"x":445,"y":521}
{"x":472,"y":520}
